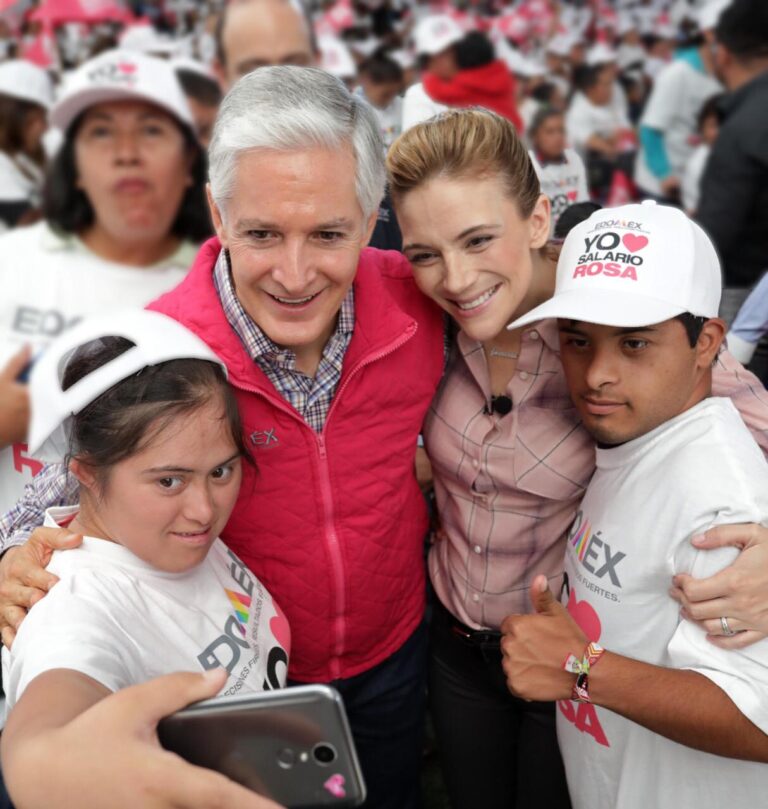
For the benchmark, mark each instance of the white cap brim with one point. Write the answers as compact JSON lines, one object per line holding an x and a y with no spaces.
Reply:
{"x":604,"y":307}
{"x":66,"y":111}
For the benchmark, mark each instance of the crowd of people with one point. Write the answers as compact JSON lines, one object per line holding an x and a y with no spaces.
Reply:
{"x":394,"y":345}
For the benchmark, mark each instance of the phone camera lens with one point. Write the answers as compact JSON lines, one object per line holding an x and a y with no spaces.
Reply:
{"x":286,"y":758}
{"x":324,"y":753}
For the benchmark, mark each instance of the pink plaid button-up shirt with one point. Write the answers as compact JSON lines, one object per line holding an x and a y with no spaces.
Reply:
{"x":508,"y":487}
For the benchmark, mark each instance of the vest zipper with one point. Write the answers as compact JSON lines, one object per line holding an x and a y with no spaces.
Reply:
{"x":331,"y":537}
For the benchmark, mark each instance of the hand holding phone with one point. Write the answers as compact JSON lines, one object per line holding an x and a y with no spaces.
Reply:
{"x":292,"y":745}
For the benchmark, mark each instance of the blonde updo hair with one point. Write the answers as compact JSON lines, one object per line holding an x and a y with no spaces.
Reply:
{"x":470,"y":143}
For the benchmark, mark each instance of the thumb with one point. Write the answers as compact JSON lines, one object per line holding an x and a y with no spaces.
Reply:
{"x":721,"y":536}
{"x":146,"y":704}
{"x":15,"y":365}
{"x":45,"y":540}
{"x":542,"y":599}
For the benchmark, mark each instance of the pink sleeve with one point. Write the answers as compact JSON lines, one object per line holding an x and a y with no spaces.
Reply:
{"x":731,"y":379}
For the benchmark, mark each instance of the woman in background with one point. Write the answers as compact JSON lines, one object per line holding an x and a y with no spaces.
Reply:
{"x":124,"y":212}
{"x":26,"y":93}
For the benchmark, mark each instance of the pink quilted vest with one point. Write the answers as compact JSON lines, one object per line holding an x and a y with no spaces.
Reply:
{"x":333,"y":523}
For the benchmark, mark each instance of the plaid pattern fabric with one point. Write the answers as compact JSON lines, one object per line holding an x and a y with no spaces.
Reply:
{"x":51,"y":487}
{"x":507,"y":487}
{"x":311,"y":397}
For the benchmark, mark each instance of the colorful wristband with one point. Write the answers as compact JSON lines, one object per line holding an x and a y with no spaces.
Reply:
{"x":581,"y":668}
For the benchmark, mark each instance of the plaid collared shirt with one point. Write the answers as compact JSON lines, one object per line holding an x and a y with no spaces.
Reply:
{"x":310,"y":396}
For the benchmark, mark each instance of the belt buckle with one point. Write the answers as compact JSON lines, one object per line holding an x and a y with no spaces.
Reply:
{"x":462,"y":633}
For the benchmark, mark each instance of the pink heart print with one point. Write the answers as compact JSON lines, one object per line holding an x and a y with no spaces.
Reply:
{"x":572,"y":196}
{"x":127,"y":67}
{"x":335,"y":785}
{"x":634,"y":243}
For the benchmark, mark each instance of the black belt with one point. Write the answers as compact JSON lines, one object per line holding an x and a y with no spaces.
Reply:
{"x":481,"y":639}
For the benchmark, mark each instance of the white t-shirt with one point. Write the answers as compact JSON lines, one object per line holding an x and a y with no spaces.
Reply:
{"x":584,"y":119}
{"x":418,"y":106}
{"x":48,"y":283}
{"x":120,"y":621}
{"x":647,"y":498}
{"x":564,"y":183}
{"x":390,"y":118}
{"x":678,"y":94}
{"x":690,"y":187}
{"x":20,"y":179}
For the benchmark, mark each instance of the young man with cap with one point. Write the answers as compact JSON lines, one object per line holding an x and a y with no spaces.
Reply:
{"x":651,"y":714}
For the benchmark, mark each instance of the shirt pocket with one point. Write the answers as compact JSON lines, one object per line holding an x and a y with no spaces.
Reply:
{"x":554,"y":456}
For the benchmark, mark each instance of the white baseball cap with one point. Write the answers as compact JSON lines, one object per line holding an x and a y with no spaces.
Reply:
{"x":336,"y":59}
{"x":27,"y":82}
{"x":601,"y":54}
{"x":708,"y":16}
{"x":157,"y":338}
{"x":633,"y":266}
{"x":561,"y":44}
{"x":145,"y":38}
{"x":436,"y":33}
{"x":120,"y":75}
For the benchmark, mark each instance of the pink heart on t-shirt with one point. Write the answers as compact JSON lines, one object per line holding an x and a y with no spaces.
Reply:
{"x":572,"y":196}
{"x":634,"y":243}
{"x":281,"y":629}
{"x":335,"y":785}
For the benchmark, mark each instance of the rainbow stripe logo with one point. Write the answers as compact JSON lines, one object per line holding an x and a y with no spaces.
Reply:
{"x":580,"y":539}
{"x":241,"y":603}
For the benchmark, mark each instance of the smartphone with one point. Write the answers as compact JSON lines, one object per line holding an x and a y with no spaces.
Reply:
{"x":292,"y":745}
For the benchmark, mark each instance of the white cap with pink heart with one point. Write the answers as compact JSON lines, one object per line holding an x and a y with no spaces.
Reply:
{"x":633,"y":266}
{"x":121,"y":75}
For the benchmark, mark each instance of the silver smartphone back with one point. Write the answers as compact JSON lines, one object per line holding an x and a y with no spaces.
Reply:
{"x":293,"y":745}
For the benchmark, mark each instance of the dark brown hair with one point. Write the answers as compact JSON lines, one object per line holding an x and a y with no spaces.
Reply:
{"x":124,"y":419}
{"x":68,"y":209}
{"x":14,"y":116}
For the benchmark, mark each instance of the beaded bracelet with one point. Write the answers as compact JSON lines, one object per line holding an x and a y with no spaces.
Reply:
{"x":581,"y":668}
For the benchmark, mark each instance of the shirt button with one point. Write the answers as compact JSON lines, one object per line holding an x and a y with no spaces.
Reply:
{"x":477,"y":549}
{"x":475,"y":598}
{"x":534,"y":335}
{"x":523,"y":375}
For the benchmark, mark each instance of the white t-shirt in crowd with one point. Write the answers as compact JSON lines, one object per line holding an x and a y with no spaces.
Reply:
{"x":584,"y":119}
{"x":120,"y":621}
{"x":418,"y":106}
{"x":646,"y":501}
{"x":690,"y":187}
{"x":564,"y":182}
{"x":50,"y":282}
{"x":390,"y":118}
{"x":20,"y":179}
{"x":678,"y":95}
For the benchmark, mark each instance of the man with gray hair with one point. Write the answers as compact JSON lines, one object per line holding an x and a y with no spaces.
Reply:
{"x":334,"y":356}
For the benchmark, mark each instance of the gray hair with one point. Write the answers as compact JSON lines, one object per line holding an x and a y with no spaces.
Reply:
{"x":287,"y":108}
